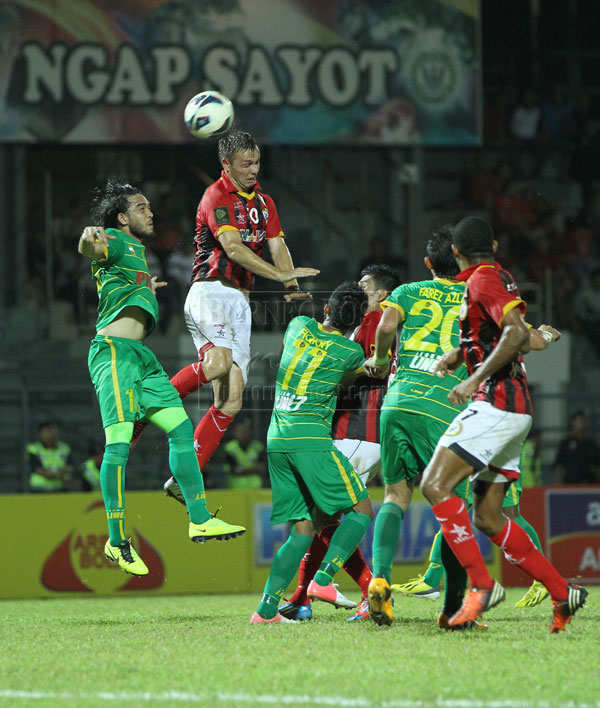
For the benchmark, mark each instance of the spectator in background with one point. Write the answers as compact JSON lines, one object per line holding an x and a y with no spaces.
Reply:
{"x":578,"y":457}
{"x":90,"y":469}
{"x":554,"y":131}
{"x":49,"y":461}
{"x":586,"y":156}
{"x":580,"y":251}
{"x":556,"y":115}
{"x":244,"y":458}
{"x":565,"y":286}
{"x":525,"y":119}
{"x":531,"y":460}
{"x":587,"y":305}
{"x":524,"y":129}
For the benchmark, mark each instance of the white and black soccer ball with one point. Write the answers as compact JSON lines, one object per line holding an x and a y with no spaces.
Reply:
{"x":209,"y":114}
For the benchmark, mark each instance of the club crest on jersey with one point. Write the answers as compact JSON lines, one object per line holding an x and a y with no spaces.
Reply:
{"x":455,"y":428}
{"x":463,"y":309}
{"x":221,"y":215}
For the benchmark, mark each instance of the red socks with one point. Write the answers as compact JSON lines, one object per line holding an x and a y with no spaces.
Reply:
{"x":458,"y":532}
{"x":209,"y":432}
{"x":309,"y":565}
{"x":189,"y":379}
{"x":356,"y":566}
{"x":520,"y":550}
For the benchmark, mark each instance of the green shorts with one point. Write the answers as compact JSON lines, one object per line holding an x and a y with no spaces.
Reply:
{"x":407,"y":444}
{"x":128,"y":380}
{"x":512,"y":496}
{"x":302,"y":481}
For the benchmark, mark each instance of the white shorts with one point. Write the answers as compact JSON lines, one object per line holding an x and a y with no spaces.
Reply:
{"x":219,"y":316}
{"x":489,"y":439}
{"x":364,"y":456}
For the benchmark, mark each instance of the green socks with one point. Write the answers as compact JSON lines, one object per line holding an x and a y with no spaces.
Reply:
{"x":528,"y":528}
{"x":343,"y":543}
{"x":112,"y":483}
{"x":385,"y":538}
{"x":435,"y":571}
{"x":285,"y":564}
{"x":184,"y":466}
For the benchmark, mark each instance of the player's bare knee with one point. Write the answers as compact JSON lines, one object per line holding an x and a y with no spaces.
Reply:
{"x":230,"y":406}
{"x":488,"y":522}
{"x":305,"y":527}
{"x":400,"y":497}
{"x":433,"y":489}
{"x":217,"y":362}
{"x":365,"y":507}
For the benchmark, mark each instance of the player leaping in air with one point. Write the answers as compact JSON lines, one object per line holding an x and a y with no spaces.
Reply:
{"x":234,"y":222}
{"x":130,"y":383}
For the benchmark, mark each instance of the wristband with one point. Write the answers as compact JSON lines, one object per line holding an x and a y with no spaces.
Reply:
{"x":546,"y":335}
{"x":381,"y":361}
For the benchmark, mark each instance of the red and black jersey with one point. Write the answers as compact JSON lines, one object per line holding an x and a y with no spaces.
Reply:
{"x":224,"y":208}
{"x":491,"y":292}
{"x":357,"y":412}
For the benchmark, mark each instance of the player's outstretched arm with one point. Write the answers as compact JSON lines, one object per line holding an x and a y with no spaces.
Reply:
{"x":241,"y":254}
{"x":282,"y":259}
{"x":93,"y":242}
{"x":155,"y":283}
{"x":542,"y":337}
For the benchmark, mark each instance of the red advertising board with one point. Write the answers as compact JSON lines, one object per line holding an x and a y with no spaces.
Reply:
{"x":567,"y":520}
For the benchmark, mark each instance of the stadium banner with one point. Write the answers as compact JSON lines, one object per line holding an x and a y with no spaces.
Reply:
{"x":567,"y":521}
{"x":573,"y":533}
{"x":61,"y":551}
{"x":419,"y":528}
{"x":336,"y":72}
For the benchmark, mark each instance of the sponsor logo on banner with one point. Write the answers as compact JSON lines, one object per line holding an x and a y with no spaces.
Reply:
{"x":573,"y":533}
{"x":267,"y":538}
{"x":419,"y":528}
{"x":78,"y":563}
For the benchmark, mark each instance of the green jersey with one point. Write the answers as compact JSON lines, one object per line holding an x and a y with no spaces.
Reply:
{"x":312,"y":365}
{"x":430,"y":310}
{"x":123,"y":280}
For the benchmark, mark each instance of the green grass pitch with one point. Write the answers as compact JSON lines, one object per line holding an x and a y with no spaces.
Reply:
{"x":200,"y":650}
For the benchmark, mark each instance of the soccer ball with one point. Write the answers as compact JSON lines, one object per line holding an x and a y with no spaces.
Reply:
{"x":208,"y":114}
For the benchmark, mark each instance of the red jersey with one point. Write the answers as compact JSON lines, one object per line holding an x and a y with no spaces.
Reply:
{"x":357,"y":412}
{"x":224,"y":208}
{"x":491,"y":292}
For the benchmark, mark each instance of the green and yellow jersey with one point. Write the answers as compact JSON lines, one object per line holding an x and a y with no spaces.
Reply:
{"x":123,"y":280}
{"x":312,"y":365}
{"x":430,"y":310}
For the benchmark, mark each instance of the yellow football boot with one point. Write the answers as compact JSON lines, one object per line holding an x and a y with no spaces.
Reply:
{"x":124,"y":554}
{"x":214,"y":528}
{"x":380,"y":601}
